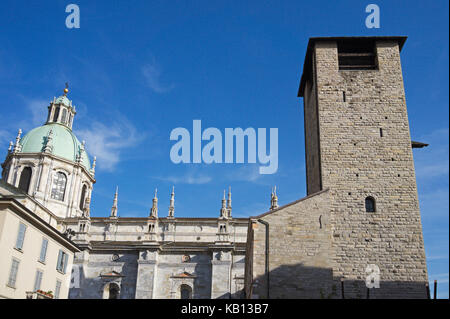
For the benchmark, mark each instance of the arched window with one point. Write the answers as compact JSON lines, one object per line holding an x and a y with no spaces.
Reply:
{"x":5,"y":174}
{"x":63,"y":117}
{"x":185,"y":292}
{"x":55,"y":116}
{"x":48,"y":115}
{"x":111,"y":291}
{"x":70,"y":119}
{"x":59,"y":186}
{"x":370,"y":204}
{"x":82,"y":197}
{"x":25,"y":179}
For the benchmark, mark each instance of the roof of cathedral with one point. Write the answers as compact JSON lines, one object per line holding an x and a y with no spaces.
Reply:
{"x":64,"y":143}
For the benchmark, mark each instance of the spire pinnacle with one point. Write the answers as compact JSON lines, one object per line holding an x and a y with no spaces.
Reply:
{"x":17,"y":145}
{"x":114,"y":206}
{"x":66,"y":89}
{"x":223,"y":210}
{"x":274,"y":199}
{"x":94,"y":163}
{"x":154,"y":210}
{"x":229,"y":202}
{"x":172,"y":203}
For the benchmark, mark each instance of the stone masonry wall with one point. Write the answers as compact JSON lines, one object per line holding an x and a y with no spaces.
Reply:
{"x":299,"y":251}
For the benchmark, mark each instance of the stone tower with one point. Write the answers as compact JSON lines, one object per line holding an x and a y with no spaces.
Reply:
{"x":358,"y":146}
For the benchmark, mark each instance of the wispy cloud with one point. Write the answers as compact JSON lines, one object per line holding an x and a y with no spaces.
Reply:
{"x":247,"y":173}
{"x":5,"y":137}
{"x":438,"y":257}
{"x":152,"y":74}
{"x":107,"y":141}
{"x":252,"y":210}
{"x":37,"y":107}
{"x":434,"y":169}
{"x":434,"y":162}
{"x":188,"y":178}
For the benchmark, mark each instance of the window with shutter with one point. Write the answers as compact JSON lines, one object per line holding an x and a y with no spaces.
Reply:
{"x":66,"y":257}
{"x":62,"y":261}
{"x":57,"y":289}
{"x":21,"y":236}
{"x":60,"y":258}
{"x":38,"y":280}
{"x":43,"y":250}
{"x":13,"y":273}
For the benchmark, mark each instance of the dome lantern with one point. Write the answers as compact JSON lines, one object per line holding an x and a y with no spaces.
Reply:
{"x":61,"y":110}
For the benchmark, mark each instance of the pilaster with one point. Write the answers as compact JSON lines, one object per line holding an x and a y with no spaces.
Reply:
{"x":146,"y":273}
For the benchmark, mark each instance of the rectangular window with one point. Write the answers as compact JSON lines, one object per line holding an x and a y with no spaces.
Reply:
{"x":43,"y":253}
{"x":21,"y":236}
{"x":13,"y":273}
{"x":62,"y":261}
{"x":57,"y":289}
{"x":38,"y":280}
{"x":357,"y":55}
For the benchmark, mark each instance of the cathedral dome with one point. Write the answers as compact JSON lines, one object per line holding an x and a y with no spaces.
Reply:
{"x":63,"y":100}
{"x":64,"y":143}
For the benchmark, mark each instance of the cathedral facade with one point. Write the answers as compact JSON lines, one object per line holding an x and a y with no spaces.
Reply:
{"x":153,"y":257}
{"x":360,"y":217}
{"x":159,"y":257}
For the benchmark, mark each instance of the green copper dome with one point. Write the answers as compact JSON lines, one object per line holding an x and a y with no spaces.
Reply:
{"x":65,"y":143}
{"x":62,"y":100}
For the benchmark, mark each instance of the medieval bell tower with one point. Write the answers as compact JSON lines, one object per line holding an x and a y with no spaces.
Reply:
{"x":358,"y":145}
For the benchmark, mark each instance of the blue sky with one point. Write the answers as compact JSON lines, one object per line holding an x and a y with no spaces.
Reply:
{"x":138,"y":69}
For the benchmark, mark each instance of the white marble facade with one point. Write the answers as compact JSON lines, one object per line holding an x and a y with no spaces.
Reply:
{"x":181,"y":253}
